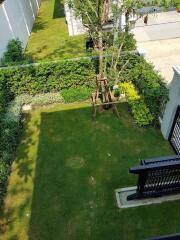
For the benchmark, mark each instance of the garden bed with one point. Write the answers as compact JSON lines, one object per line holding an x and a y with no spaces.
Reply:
{"x":66,"y":170}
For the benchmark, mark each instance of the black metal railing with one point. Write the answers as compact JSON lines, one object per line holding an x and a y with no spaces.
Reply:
{"x":157,"y":177}
{"x":167,"y":237}
{"x":174,"y":136}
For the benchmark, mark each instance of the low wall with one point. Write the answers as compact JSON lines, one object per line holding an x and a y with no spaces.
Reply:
{"x":16,"y":20}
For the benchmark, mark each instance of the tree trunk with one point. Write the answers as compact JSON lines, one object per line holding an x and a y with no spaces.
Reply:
{"x":127,"y":16}
{"x":100,"y":49}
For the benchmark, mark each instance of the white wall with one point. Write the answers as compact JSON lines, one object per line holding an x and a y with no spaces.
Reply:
{"x":75,"y":26}
{"x":174,"y":101}
{"x":16,"y":20}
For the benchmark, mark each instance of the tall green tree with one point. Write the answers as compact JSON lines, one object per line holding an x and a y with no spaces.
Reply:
{"x":96,"y":14}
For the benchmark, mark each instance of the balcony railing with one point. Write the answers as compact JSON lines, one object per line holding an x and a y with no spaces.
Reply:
{"x":167,"y":237}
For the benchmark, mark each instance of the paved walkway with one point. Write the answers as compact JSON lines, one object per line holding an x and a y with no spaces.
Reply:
{"x":160,"y":26}
{"x":161,"y":41}
{"x":164,"y":54}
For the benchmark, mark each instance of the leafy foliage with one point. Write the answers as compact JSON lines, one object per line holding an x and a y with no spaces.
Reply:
{"x":177,"y":3}
{"x":4,"y":173}
{"x":58,"y":76}
{"x":50,"y":77}
{"x":148,"y":81}
{"x":129,"y":42}
{"x":14,"y":54}
{"x":8,"y":138}
{"x":139,"y":110}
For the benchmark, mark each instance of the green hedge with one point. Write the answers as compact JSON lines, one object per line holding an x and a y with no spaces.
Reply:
{"x":8,"y":138}
{"x":57,"y":76}
{"x":14,"y":54}
{"x":140,"y":111}
{"x":50,"y":77}
{"x":148,"y":81}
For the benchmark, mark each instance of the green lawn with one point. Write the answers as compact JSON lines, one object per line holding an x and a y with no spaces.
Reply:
{"x":67,"y":168}
{"x":50,"y":38}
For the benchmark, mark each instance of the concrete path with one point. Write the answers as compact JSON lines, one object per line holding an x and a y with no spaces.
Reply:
{"x":161,"y":41}
{"x":160,"y":26}
{"x":164,"y":54}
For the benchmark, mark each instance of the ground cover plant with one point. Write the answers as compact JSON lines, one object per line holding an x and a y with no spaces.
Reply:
{"x":67,"y":167}
{"x":141,"y":113}
{"x":50,"y":38}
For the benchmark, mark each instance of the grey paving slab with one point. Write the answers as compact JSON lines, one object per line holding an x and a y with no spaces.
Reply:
{"x":164,"y":54}
{"x":157,"y":32}
{"x":160,"y":26}
{"x":122,"y":193}
{"x":160,"y":18}
{"x":161,"y":41}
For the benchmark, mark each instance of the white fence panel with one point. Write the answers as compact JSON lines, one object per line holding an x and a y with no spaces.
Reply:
{"x":16,"y":20}
{"x":5,"y":31}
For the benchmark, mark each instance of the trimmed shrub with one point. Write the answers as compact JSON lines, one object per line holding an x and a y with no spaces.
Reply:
{"x":15,"y":54}
{"x":4,"y":173}
{"x":5,"y":94}
{"x":148,"y":81}
{"x":75,"y":95}
{"x":140,"y":112}
{"x":130,"y":43}
{"x":50,"y":77}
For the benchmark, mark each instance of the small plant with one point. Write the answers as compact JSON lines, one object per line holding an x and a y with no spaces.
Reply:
{"x":15,"y":54}
{"x":149,"y":83}
{"x":177,"y":4}
{"x":140,"y":111}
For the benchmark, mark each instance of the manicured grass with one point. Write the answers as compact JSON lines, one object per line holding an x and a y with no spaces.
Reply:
{"x":67,"y":168}
{"x":50,"y":38}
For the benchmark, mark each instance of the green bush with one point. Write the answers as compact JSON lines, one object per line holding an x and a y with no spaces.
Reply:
{"x":177,"y":3}
{"x":50,"y":77}
{"x":5,"y":94}
{"x":8,"y":137}
{"x":15,"y":54}
{"x":9,"y":140}
{"x":139,"y":110}
{"x":148,"y":81}
{"x":130,"y":43}
{"x":75,"y":95}
{"x":4,"y":173}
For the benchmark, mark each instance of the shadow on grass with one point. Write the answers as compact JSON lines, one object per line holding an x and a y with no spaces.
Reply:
{"x":79,"y":164}
{"x":39,"y":25}
{"x":18,"y":197}
{"x":58,"y":9}
{"x":69,"y":48}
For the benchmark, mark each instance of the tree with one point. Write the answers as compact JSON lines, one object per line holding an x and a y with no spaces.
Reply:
{"x":109,"y":45}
